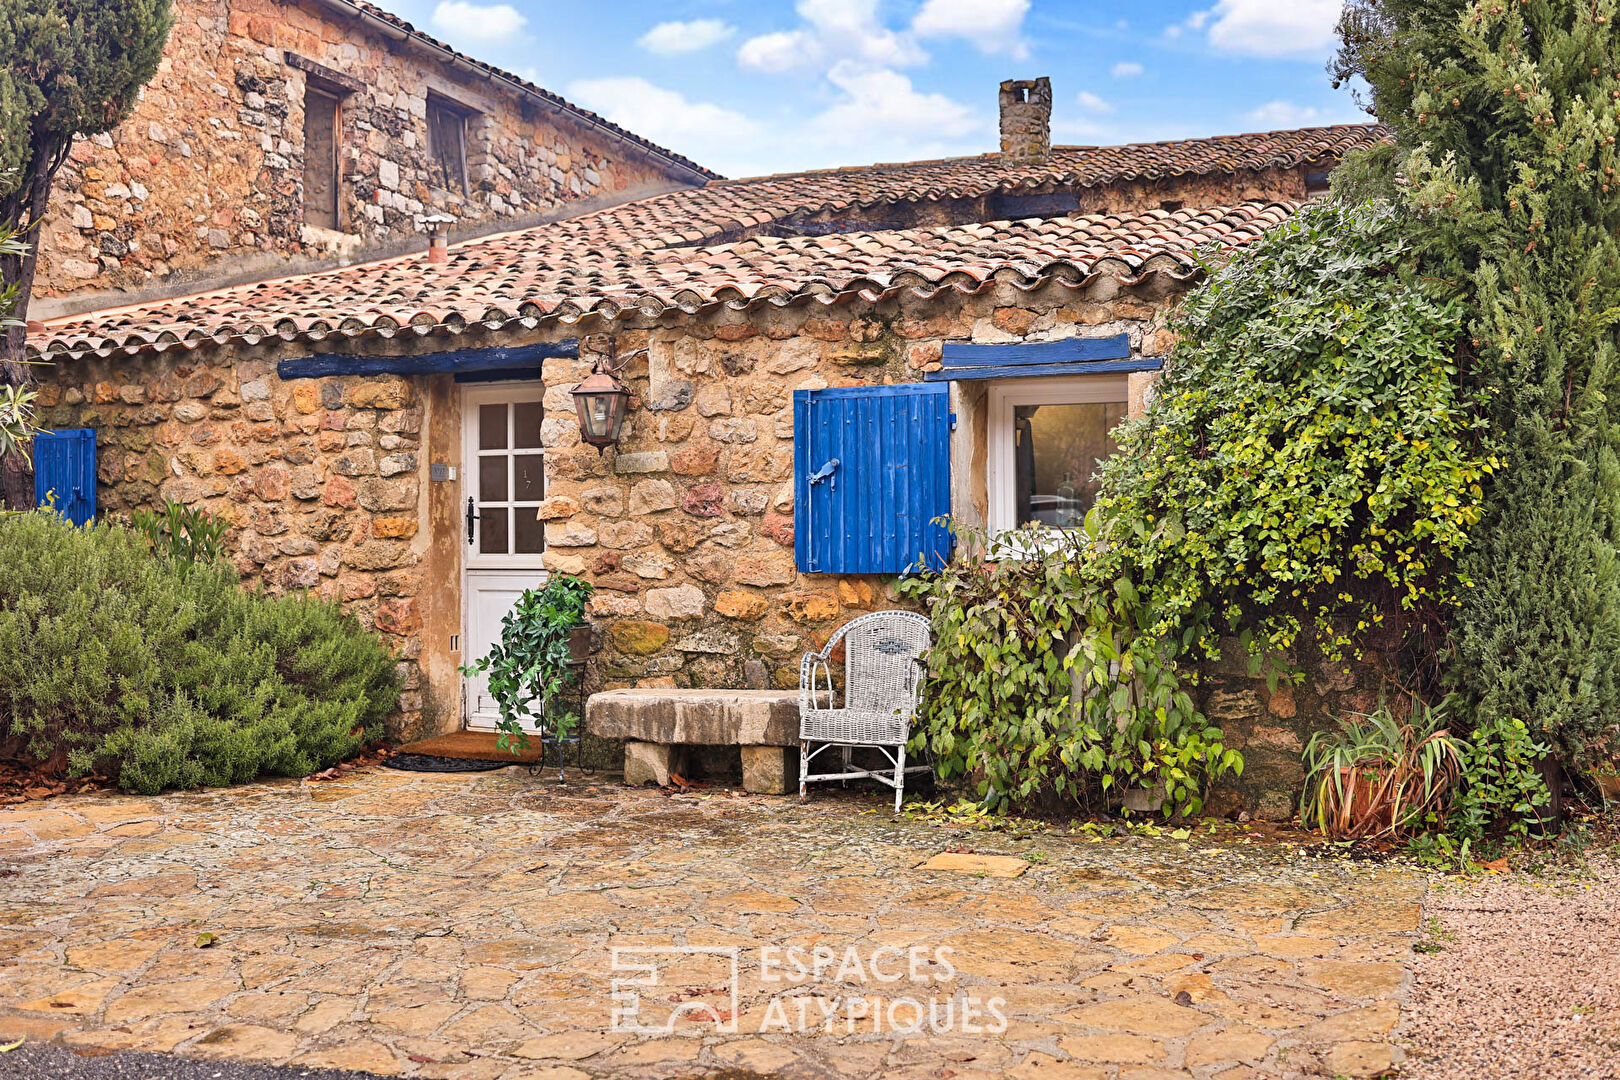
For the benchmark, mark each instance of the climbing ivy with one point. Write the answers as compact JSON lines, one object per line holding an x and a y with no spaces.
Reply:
{"x":1312,"y":460}
{"x":1311,"y":464}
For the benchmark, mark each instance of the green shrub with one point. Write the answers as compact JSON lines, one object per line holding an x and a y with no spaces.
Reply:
{"x":173,"y":677}
{"x":181,"y":534}
{"x":1041,"y":683}
{"x":1503,"y":790}
{"x":1311,"y":462}
{"x":528,"y":666}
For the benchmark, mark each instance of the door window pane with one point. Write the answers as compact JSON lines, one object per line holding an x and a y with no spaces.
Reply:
{"x":526,"y":417}
{"x":529,"y":476}
{"x":492,"y":479}
{"x":1056,"y":449}
{"x":492,"y":530}
{"x":530,"y":531}
{"x":492,"y":427}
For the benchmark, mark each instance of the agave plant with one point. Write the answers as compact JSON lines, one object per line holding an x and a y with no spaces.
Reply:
{"x":1380,"y":775}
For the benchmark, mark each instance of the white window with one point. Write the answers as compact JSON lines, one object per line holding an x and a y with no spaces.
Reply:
{"x":1046,"y":437}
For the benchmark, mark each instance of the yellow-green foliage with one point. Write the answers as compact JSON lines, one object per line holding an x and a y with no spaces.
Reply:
{"x":171,"y":676}
{"x":1309,"y":453}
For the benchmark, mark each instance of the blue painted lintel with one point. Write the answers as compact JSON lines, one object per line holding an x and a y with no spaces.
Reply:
{"x":498,"y":358}
{"x":1069,"y":350}
{"x":1026,"y":371}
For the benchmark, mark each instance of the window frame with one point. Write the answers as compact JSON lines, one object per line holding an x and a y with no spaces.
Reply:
{"x":325,"y":95}
{"x":438,"y":104}
{"x":1005,"y":395}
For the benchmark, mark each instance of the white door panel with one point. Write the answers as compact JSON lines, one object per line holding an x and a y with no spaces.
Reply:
{"x":502,"y":484}
{"x":489,"y":596}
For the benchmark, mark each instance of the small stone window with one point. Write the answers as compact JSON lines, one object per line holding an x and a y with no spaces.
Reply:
{"x":447,"y":143}
{"x":320,"y":158}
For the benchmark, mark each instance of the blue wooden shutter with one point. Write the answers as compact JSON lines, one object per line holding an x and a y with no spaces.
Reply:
{"x":871,"y":470}
{"x":65,"y":468}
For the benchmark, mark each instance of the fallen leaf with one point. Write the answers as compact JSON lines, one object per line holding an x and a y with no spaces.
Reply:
{"x":6,"y":1049}
{"x":1497,"y":866}
{"x":206,"y":940}
{"x":329,"y":914}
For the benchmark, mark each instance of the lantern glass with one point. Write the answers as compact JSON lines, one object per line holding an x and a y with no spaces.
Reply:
{"x":601,"y":402}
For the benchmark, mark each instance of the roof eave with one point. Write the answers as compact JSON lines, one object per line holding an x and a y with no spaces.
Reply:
{"x":399,"y":31}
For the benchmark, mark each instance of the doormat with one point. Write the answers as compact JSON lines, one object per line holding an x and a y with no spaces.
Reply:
{"x":472,"y":745}
{"x":429,"y":763}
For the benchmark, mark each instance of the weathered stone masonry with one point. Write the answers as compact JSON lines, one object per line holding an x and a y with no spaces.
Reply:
{"x":686,"y":528}
{"x":206,"y":177}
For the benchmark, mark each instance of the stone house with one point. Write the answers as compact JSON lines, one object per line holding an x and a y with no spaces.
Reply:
{"x":282,"y":135}
{"x":819,"y":363}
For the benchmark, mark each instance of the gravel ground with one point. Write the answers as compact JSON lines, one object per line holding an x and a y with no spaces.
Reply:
{"x":37,"y":1061}
{"x":1519,"y":976}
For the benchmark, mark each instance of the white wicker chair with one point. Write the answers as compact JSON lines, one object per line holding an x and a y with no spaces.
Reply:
{"x":882,"y":678}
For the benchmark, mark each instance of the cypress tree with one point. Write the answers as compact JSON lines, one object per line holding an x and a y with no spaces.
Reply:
{"x":1506,"y":114}
{"x":67,"y":67}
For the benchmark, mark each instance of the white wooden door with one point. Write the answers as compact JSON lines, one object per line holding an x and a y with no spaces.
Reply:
{"x":502,"y":484}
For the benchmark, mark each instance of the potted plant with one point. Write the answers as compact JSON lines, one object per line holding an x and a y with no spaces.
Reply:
{"x":1379,"y":775}
{"x":542,"y":638}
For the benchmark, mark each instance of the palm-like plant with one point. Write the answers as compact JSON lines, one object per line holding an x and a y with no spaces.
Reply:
{"x":1380,"y":775}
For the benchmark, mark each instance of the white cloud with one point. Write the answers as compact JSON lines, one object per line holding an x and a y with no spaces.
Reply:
{"x":882,"y":117}
{"x":834,"y":31}
{"x":1092,"y":103}
{"x":461,"y":20}
{"x":993,"y":26}
{"x":1126,"y":69}
{"x":703,"y":131}
{"x":782,"y":51}
{"x":1285,"y":114}
{"x":1273,"y":28}
{"x":1194,"y":22}
{"x":669,"y":38}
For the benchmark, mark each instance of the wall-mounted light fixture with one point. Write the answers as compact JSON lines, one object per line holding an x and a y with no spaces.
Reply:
{"x":602,"y":401}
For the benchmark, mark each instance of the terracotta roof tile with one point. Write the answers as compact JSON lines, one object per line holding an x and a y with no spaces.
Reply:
{"x":682,"y":250}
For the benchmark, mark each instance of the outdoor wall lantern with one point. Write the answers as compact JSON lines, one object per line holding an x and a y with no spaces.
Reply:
{"x":602,"y":401}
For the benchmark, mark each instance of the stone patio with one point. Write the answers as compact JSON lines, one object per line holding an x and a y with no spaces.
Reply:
{"x":464,"y":926}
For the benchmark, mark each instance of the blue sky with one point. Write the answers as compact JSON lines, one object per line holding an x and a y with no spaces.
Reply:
{"x":757,"y":86}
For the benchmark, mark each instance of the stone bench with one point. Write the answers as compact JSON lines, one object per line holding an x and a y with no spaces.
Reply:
{"x":656,"y":723}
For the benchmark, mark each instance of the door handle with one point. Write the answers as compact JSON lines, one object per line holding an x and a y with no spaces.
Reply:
{"x":471,"y":517}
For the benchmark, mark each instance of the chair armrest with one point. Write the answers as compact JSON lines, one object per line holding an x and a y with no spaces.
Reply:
{"x":809,"y":692}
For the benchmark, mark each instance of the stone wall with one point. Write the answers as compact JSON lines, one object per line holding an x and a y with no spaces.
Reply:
{"x":1271,"y":727}
{"x":320,"y":481}
{"x":205,"y":179}
{"x":687,"y":526}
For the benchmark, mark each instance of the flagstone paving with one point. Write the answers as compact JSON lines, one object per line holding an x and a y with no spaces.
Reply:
{"x":465,"y":926}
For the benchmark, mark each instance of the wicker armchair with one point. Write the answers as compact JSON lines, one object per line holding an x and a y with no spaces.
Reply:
{"x":882,"y":677}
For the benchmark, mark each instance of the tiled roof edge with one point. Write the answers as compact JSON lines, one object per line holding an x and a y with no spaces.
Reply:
{"x":1178,"y":266}
{"x":1370,"y":127}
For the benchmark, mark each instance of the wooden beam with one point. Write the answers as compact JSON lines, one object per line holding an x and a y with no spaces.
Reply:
{"x":500,"y":358}
{"x":1069,"y":350}
{"x":1027,"y":371}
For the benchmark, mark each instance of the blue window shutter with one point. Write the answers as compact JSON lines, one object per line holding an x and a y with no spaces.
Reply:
{"x":65,"y":468}
{"x":871,"y":470}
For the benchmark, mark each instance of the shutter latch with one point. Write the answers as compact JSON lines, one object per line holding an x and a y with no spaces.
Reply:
{"x":825,"y":473}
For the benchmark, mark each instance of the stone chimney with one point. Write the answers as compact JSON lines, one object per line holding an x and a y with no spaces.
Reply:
{"x":1026,"y":119}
